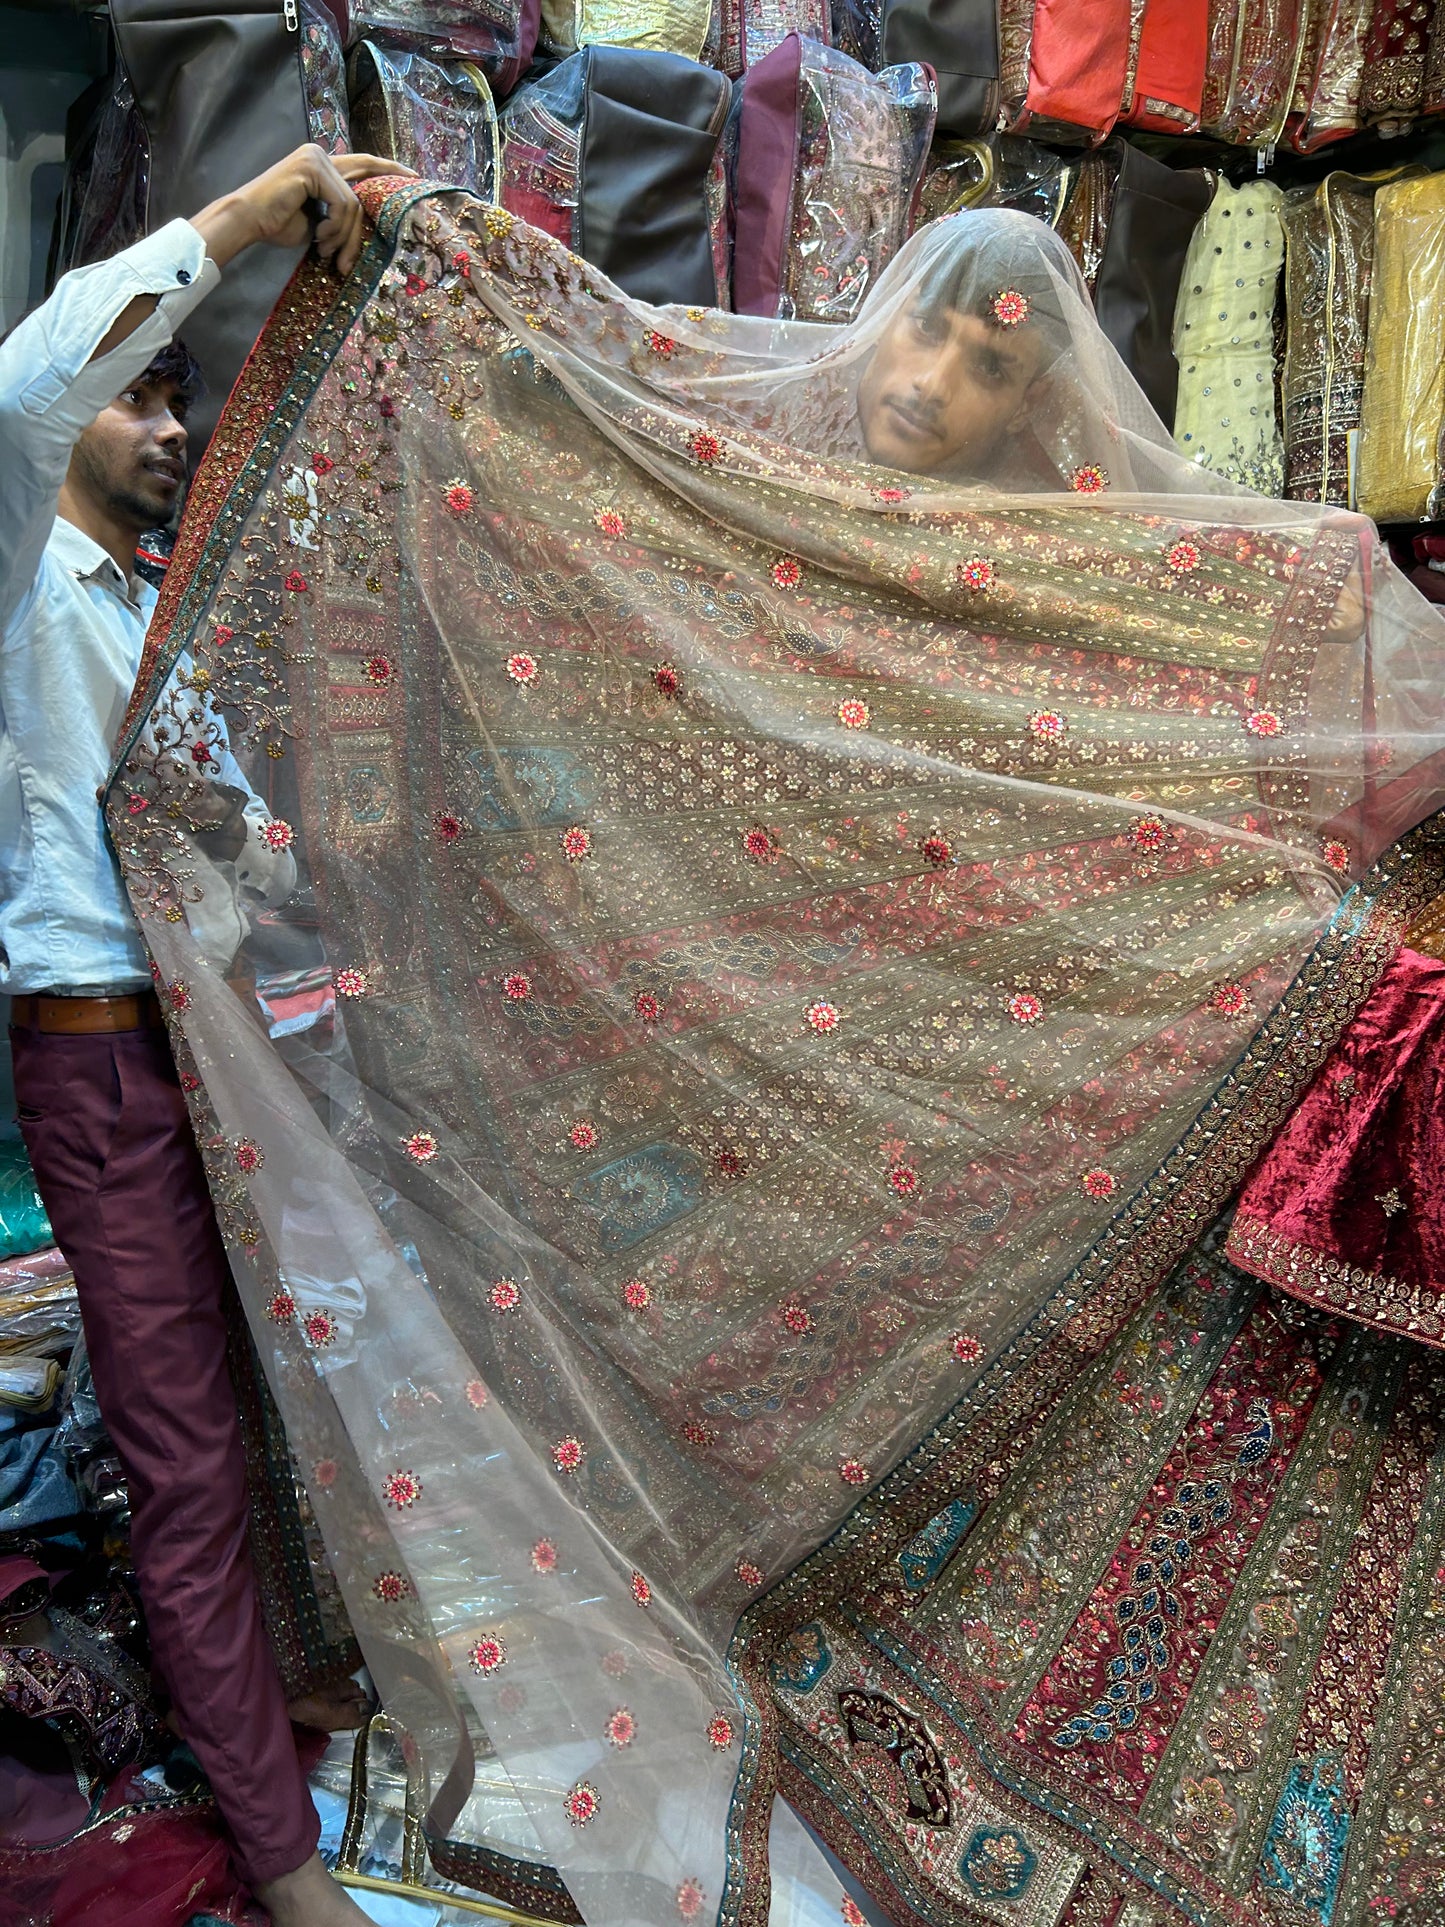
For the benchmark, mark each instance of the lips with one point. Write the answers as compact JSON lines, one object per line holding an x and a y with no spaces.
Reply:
{"x":167,"y":472}
{"x":911,"y":424}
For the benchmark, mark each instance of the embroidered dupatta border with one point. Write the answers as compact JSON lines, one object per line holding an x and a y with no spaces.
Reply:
{"x":974,"y":1447}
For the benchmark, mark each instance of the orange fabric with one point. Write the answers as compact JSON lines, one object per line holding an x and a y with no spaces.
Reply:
{"x":1078,"y":62}
{"x":1169,"y":75}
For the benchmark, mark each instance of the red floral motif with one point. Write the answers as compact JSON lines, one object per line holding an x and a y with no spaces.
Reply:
{"x":1336,"y":856}
{"x":201,"y":754}
{"x":750,"y":1574}
{"x":580,"y":1804}
{"x":421,"y":1146}
{"x":582,"y":1135}
{"x":576,"y":843}
{"x":1047,"y":726}
{"x":544,"y":1556}
{"x":641,"y":1591}
{"x":787,"y":572}
{"x":823,"y":1016}
{"x":1263,"y":722}
{"x":379,"y":669}
{"x":730,"y":1163}
{"x":415,"y":284}
{"x":1183,"y":556}
{"x":459,"y":498}
{"x":689,"y":1899}
{"x":446,"y":827}
{"x":904,"y":1180}
{"x":516,"y":986}
{"x":320,"y":1328}
{"x":720,"y":1732}
{"x":621,"y":1728}
{"x":522,"y":668}
{"x":647,"y":1006}
{"x":352,"y":983}
{"x":223,"y":635}
{"x":1009,"y":307}
{"x":488,"y":1654}
{"x":667,"y":680}
{"x":936,"y":850}
{"x":705,"y":447}
{"x":462,"y":261}
{"x":760,"y":844}
{"x":975,"y":575}
{"x":401,"y":1489}
{"x":505,"y":1295}
{"x":615,"y":1664}
{"x":967,"y":1349}
{"x":853,"y":713}
{"x":1099,"y":1183}
{"x":568,"y":1454}
{"x":189,"y":1081}
{"x":696,"y":1433}
{"x":1089,"y":480}
{"x":891,"y":497}
{"x":325,"y":1472}
{"x":1229,"y":1000}
{"x":278,"y":834}
{"x":661,"y":345}
{"x":281,"y":1307}
{"x":180,"y":995}
{"x":798,"y":1319}
{"x":1149,"y":833}
{"x":637,"y":1294}
{"x":391,"y":1587}
{"x":853,"y":1472}
{"x":852,"y":1913}
{"x":476,"y":1394}
{"x":1025,"y":1008}
{"x":249,"y":1157}
{"x":321,"y":464}
{"x":295,"y":582}
{"x":611,"y":523}
{"x":386,"y":408}
{"x":135,"y":804}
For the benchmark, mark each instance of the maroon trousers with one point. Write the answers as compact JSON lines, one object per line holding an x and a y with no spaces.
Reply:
{"x":106,"y":1127}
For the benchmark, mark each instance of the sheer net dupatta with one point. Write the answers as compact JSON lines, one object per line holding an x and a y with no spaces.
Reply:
{"x":781,"y":909}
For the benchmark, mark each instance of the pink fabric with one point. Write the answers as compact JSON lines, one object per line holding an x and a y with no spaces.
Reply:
{"x":106,"y":1127}
{"x":1078,"y":62}
{"x":1169,"y":74}
{"x":1347,"y":1208}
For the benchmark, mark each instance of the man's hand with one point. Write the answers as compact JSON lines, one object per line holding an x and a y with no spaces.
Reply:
{"x":278,"y":207}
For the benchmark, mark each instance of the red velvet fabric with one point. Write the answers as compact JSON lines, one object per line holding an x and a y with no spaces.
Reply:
{"x":1078,"y":62}
{"x":1169,"y":73}
{"x":1346,"y":1210}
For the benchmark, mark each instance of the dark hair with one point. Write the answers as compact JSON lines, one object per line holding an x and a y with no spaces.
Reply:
{"x":176,"y":363}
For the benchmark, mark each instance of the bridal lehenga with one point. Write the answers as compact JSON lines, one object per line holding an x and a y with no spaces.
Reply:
{"x":808,"y":955}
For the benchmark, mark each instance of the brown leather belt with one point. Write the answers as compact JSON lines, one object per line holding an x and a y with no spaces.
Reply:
{"x":86,"y":1016}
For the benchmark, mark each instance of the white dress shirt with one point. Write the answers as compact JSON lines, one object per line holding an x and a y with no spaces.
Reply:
{"x":71,"y":633}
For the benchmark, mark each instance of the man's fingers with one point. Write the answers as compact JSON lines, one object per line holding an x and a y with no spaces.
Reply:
{"x":363,"y":167}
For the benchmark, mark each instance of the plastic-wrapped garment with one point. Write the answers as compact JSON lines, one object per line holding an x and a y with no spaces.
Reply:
{"x":750,"y":29}
{"x":1400,"y":472}
{"x":35,"y":1482}
{"x":1078,"y":64}
{"x":1083,"y":222}
{"x":829,"y":163}
{"x":1224,"y":338}
{"x":107,"y":181}
{"x":435,"y":117}
{"x":499,"y":35}
{"x":1164,"y":88}
{"x":1255,"y":48}
{"x":323,"y":77}
{"x":958,"y":39}
{"x":959,"y":174}
{"x":1330,"y":74}
{"x":616,"y":153}
{"x":691,"y":28}
{"x":39,"y":1311}
{"x":1152,"y":216}
{"x":1329,"y":253}
{"x":24,"y":1227}
{"x":1432,"y":100}
{"x":1396,"y":50}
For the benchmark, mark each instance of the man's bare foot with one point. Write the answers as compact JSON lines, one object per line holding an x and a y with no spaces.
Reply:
{"x":309,"y":1898}
{"x":331,"y":1709}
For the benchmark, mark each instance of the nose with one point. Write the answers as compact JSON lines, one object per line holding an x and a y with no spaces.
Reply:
{"x":171,"y":434}
{"x":932,"y":376}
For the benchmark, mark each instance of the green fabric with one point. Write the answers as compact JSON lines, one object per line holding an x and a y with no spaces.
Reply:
{"x":24,"y":1227}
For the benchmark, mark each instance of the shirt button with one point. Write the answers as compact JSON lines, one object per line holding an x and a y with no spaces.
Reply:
{"x":183,"y":275}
